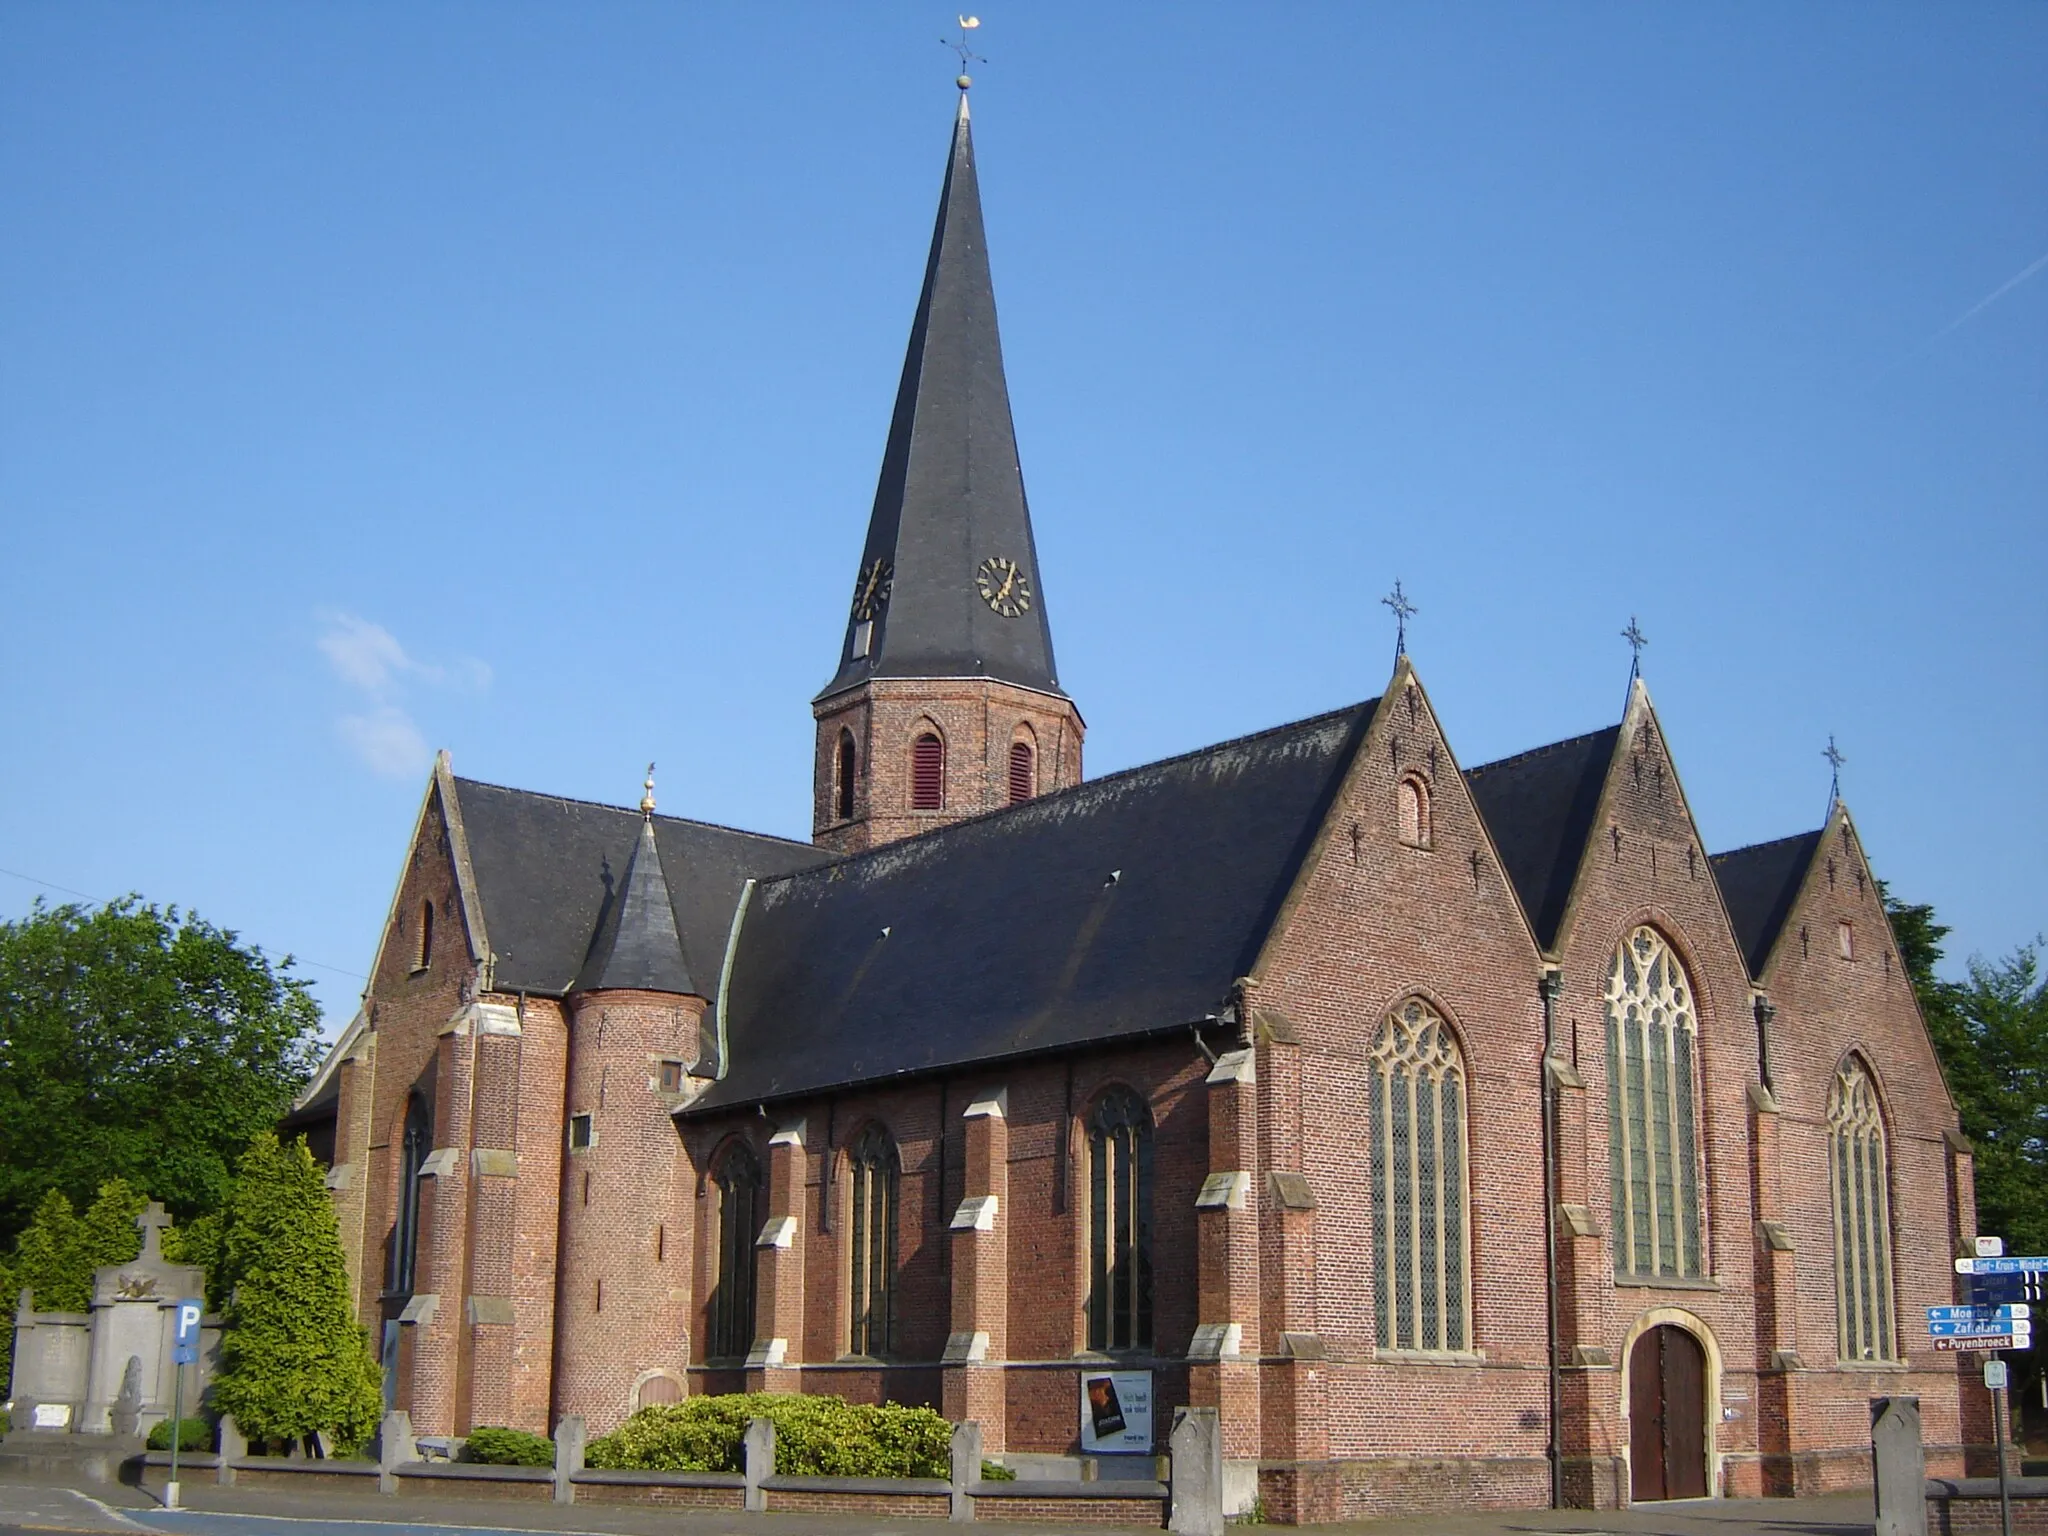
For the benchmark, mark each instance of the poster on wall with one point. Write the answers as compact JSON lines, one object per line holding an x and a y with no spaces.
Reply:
{"x":1116,"y":1412}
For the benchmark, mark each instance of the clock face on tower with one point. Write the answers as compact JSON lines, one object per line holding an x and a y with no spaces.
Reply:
{"x":1004,"y":586}
{"x":871,"y":590}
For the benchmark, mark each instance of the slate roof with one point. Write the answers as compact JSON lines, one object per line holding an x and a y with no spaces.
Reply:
{"x":545,"y":865}
{"x":1759,"y":884}
{"x":1124,"y":906}
{"x":636,"y":944}
{"x":1539,"y":807}
{"x":951,"y":492}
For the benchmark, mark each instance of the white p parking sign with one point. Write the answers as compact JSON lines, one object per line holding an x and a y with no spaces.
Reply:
{"x":185,"y":1343}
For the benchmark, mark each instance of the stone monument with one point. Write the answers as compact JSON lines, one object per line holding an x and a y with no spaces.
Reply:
{"x":108,"y":1370}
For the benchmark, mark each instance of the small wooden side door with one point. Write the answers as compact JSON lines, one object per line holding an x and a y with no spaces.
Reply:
{"x":1667,"y":1416}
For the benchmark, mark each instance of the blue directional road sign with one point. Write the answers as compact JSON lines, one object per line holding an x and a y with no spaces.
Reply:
{"x":185,"y":1343}
{"x":2029,"y":1264}
{"x":1979,"y":1314}
{"x":1977,"y":1328}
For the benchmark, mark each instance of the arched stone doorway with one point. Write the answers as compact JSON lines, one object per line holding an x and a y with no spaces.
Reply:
{"x":1667,"y":1415}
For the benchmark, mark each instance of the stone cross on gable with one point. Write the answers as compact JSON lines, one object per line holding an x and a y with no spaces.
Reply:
{"x":152,"y":1221}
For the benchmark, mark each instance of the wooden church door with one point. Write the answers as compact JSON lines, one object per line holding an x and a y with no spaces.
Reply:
{"x":1667,"y":1416}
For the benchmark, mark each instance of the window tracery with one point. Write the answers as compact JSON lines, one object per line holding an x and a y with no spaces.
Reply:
{"x":1120,"y":1223}
{"x":1858,"y":1173}
{"x":1416,"y":1119}
{"x":1653,"y":1144}
{"x":871,"y":1263}
{"x":730,"y":1334}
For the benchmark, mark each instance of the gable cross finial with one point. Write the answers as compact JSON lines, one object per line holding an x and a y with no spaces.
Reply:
{"x":1404,"y":610}
{"x":152,"y":1222}
{"x":647,"y":793}
{"x":965,"y":50}
{"x":1835,"y":757}
{"x":1636,"y":641}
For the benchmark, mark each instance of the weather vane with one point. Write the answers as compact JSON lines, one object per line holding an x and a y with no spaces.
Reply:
{"x":1636,"y":641}
{"x":1836,"y":757}
{"x":1403,"y":612}
{"x":647,"y":795}
{"x":966,"y":52}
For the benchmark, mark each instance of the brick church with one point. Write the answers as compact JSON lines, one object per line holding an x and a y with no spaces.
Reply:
{"x":1463,"y":1134}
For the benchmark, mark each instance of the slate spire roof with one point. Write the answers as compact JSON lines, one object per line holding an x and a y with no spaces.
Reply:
{"x":1759,"y":884}
{"x":950,"y":517}
{"x":636,"y":944}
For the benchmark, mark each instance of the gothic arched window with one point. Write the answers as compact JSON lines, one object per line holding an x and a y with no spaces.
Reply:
{"x":1416,"y":1114}
{"x":414,"y":1147}
{"x":928,"y":773}
{"x":871,"y":1264}
{"x":730,"y":1331}
{"x":1858,"y":1176}
{"x":848,"y":762}
{"x":1652,"y":1145}
{"x":1120,"y":1223}
{"x":1023,"y":770}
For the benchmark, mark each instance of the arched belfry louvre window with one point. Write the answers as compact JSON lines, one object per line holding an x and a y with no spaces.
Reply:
{"x":848,"y":763}
{"x":927,"y":772}
{"x":1416,"y":1115}
{"x":1652,"y":1143}
{"x":1413,"y":808}
{"x":1023,"y":770}
{"x":414,"y":1147}
{"x":872,"y":1262}
{"x":730,"y":1327}
{"x":1858,"y":1174}
{"x":1120,"y":1223}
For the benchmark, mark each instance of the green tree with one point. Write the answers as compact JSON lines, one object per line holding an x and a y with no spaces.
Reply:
{"x":141,"y":1043}
{"x":1991,"y":1033}
{"x":203,"y":1241}
{"x":294,"y":1360}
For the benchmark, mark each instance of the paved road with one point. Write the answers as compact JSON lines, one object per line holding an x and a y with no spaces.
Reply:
{"x":123,"y":1511}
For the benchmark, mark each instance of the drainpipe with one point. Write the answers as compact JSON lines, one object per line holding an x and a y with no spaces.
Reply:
{"x":1548,"y":985}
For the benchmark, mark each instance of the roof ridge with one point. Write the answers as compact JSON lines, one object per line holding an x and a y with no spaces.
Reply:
{"x":1548,"y":746}
{"x":1086,"y":784}
{"x":1769,"y":842}
{"x":627,"y":810}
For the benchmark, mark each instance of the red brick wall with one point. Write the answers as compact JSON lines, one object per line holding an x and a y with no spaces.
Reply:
{"x":977,"y":721}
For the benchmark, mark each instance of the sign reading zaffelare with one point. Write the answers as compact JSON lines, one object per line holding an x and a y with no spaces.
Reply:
{"x":1116,"y":1411}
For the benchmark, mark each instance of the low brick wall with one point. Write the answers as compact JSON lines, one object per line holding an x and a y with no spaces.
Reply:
{"x":1966,"y":1506}
{"x":885,"y":1506}
{"x":1113,"y":1503}
{"x":667,"y":1490}
{"x":468,"y":1479}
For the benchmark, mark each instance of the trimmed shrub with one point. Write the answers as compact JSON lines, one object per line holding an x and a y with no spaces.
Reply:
{"x":814,"y":1437}
{"x":495,"y":1446}
{"x":996,"y":1472}
{"x":294,"y":1359}
{"x":196,"y":1435}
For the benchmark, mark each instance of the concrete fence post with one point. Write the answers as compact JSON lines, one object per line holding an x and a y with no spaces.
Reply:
{"x":395,"y":1447}
{"x":1195,"y":1490}
{"x":233,"y":1447}
{"x":1899,"y":1466}
{"x":760,"y":1462}
{"x":966,"y":1468}
{"x":571,"y":1436}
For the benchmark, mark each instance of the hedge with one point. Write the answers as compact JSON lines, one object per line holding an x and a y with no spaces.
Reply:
{"x":814,"y":1437}
{"x":196,"y":1435}
{"x":495,"y":1446}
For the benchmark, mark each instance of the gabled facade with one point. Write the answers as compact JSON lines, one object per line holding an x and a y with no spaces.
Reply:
{"x":1467,"y":1137}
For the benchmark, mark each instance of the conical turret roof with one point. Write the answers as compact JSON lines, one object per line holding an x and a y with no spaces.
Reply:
{"x":636,"y":944}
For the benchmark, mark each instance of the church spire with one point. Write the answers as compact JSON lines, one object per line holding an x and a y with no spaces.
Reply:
{"x":948,"y":584}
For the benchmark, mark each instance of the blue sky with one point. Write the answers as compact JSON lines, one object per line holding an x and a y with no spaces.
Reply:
{"x":513,"y":377}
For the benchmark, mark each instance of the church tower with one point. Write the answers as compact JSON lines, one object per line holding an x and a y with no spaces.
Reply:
{"x":946,"y":702}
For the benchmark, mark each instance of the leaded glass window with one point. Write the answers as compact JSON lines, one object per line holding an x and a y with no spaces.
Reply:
{"x":738,"y":1181}
{"x":1416,"y":1119}
{"x":1652,"y":1138}
{"x":1859,"y":1180}
{"x":1120,"y":1223}
{"x":871,"y":1262}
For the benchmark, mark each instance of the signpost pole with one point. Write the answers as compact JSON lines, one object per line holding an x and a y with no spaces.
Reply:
{"x":1998,"y":1427}
{"x":178,"y":1424}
